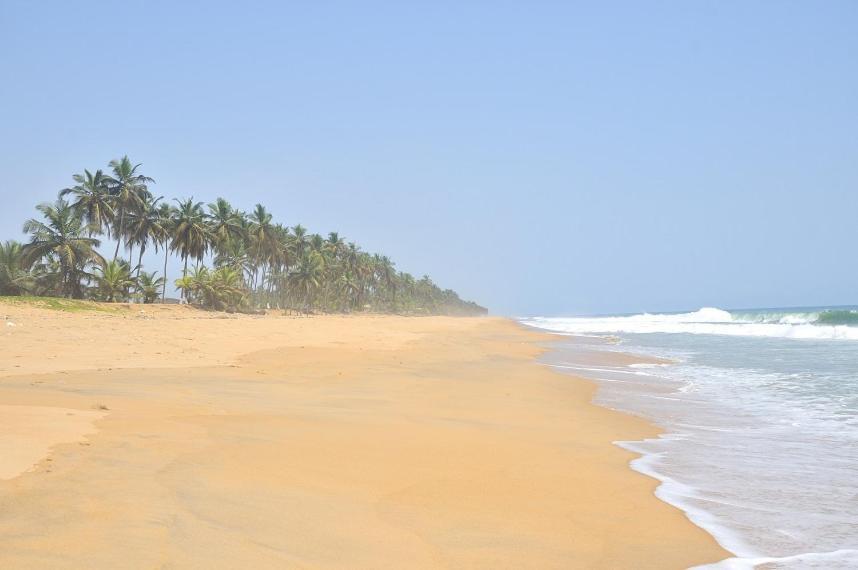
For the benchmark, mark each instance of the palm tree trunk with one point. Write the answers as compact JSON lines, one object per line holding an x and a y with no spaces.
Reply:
{"x":66,"y":280}
{"x":140,"y":260}
{"x":270,"y":288}
{"x":164,"y":288}
{"x":120,"y":234}
{"x":185,"y":274}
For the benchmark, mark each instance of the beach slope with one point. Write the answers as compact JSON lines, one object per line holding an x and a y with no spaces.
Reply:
{"x":165,"y":437}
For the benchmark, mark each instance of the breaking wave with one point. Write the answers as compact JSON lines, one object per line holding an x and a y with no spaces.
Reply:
{"x":833,"y":323}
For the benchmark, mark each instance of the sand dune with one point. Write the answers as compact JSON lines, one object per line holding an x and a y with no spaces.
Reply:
{"x":327,"y":442}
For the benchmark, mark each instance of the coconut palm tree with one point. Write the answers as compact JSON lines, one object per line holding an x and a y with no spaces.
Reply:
{"x":229,"y":287}
{"x":148,"y":286}
{"x":113,"y":280}
{"x":47,"y":278}
{"x":317,"y":243}
{"x":426,"y":290}
{"x":92,"y":200}
{"x":263,"y":238}
{"x":191,"y":237}
{"x":129,"y":190}
{"x":408,"y":284}
{"x":220,"y":289}
{"x":143,"y":224}
{"x":64,"y":238}
{"x":300,"y":239}
{"x":162,"y":232}
{"x":225,"y":224}
{"x":15,"y":276}
{"x":349,"y":289}
{"x":387,"y":275}
{"x":234,"y":255}
{"x":254,"y":257}
{"x":185,"y":285}
{"x":308,"y":275}
{"x":284,"y":249}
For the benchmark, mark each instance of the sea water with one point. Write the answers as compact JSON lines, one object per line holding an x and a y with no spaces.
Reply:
{"x":760,"y":412}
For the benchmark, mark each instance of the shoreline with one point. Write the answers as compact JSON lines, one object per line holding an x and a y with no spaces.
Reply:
{"x":324,"y":442}
{"x":593,"y":359}
{"x":737,"y":434}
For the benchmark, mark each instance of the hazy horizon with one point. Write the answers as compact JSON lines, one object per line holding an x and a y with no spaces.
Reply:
{"x":539,"y":159}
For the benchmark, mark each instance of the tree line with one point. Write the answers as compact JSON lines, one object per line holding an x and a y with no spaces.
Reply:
{"x":256,"y":264}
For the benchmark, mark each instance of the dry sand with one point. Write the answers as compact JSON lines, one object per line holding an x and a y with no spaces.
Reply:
{"x":172,"y":438}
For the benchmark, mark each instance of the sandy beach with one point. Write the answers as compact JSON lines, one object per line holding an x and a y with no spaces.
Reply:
{"x":168,"y":437}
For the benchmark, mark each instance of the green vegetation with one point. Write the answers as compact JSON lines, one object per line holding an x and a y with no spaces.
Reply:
{"x":57,"y":304}
{"x":256,"y":263}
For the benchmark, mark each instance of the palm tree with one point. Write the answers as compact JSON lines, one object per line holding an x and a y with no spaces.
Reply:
{"x":148,"y":286}
{"x":307,"y":276}
{"x":349,"y":289}
{"x":185,"y":285}
{"x":284,"y":247}
{"x":229,"y":292}
{"x":234,"y":255}
{"x":387,"y":274}
{"x":191,"y":236}
{"x":129,"y":191}
{"x":63,"y":238}
{"x":92,"y":200}
{"x":220,"y":289}
{"x":162,"y":232}
{"x":47,"y":277}
{"x":15,"y":277}
{"x":335,"y":245}
{"x":254,"y":257}
{"x":409,"y":286}
{"x":264,"y":240}
{"x":225,"y":223}
{"x":113,"y":279}
{"x":142,"y":224}
{"x":426,"y":290}
{"x":300,"y":240}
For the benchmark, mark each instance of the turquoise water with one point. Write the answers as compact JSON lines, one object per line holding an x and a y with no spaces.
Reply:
{"x":760,"y":410}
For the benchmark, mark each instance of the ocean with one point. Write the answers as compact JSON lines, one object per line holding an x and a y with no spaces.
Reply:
{"x":760,"y":414}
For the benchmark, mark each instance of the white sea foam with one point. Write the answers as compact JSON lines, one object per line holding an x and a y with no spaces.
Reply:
{"x":761,"y":441}
{"x":707,"y":321}
{"x":844,"y":558}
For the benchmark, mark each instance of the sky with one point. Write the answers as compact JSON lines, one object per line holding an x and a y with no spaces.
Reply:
{"x":541,"y":158}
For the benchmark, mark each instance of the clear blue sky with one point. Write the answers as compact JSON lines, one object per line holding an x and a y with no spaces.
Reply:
{"x":538,"y":157}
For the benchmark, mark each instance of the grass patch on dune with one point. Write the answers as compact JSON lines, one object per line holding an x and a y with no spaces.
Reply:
{"x":59,"y":304}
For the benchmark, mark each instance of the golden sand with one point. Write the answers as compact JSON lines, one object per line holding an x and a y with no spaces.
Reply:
{"x":330,"y":442}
